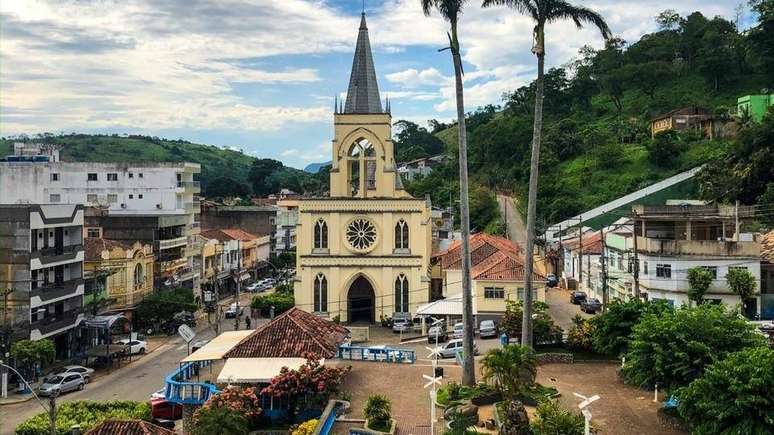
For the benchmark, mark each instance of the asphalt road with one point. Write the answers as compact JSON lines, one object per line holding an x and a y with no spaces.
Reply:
{"x":133,"y":381}
{"x":560,"y":309}
{"x":517,"y":231}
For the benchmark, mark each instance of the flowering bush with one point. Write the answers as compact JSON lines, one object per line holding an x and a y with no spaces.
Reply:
{"x":242,"y":401}
{"x":311,"y":382}
{"x":306,"y":428}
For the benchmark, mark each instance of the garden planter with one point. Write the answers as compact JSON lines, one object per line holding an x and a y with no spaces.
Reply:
{"x":391,"y":431}
{"x":486,"y":399}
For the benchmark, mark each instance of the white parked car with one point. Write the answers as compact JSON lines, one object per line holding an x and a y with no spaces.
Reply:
{"x":450,"y":349}
{"x":85,"y":372}
{"x":457,"y":332}
{"x":135,"y":346}
{"x":254,"y":287}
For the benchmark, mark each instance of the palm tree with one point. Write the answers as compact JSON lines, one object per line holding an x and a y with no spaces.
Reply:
{"x":511,"y":368}
{"x":451,"y":10}
{"x":542,"y":12}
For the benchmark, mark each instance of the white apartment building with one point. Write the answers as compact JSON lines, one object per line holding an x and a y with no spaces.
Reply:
{"x":284,"y":232}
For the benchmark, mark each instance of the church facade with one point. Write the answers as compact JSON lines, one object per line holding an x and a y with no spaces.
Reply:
{"x":363,"y":252}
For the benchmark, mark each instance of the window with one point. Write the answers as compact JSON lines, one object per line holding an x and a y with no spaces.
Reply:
{"x":139,"y":275}
{"x":401,"y":294}
{"x":92,"y":232}
{"x":91,"y":197}
{"x":495,"y":293}
{"x":112,"y":197}
{"x":131,"y":196}
{"x":54,"y":176}
{"x":320,"y":294}
{"x":664,"y":270}
{"x":737,"y":268}
{"x":320,"y":235}
{"x":112,"y":176}
{"x":139,"y":174}
{"x":54,"y":197}
{"x":131,"y":175}
{"x":644,"y":267}
{"x":139,"y":196}
{"x":713,"y":270}
{"x":91,"y":176}
{"x":401,"y":235}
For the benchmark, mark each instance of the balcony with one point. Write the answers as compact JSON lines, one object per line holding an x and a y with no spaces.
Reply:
{"x":56,"y":253}
{"x":56,"y":322}
{"x":173,"y":243}
{"x":48,"y":292}
{"x":190,"y":186}
{"x":712,"y":248}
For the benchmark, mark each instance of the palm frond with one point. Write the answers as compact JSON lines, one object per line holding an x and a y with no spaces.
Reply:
{"x":579,"y":15}
{"x":524,"y":7}
{"x":450,"y":10}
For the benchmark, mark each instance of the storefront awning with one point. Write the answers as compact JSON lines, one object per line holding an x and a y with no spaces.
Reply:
{"x":218,"y":346}
{"x":256,"y":370}
{"x":104,"y":321}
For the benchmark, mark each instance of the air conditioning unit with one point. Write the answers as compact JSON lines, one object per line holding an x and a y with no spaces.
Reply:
{"x":123,"y":205}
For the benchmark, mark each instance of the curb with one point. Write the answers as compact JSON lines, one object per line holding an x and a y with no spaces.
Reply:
{"x":16,"y":401}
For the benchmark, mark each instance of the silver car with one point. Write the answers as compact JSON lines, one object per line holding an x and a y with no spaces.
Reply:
{"x":86,"y":372}
{"x":487,"y":328}
{"x":56,"y":385}
{"x":450,"y":349}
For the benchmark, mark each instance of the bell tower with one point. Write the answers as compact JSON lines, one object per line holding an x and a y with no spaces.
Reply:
{"x":363,"y":158}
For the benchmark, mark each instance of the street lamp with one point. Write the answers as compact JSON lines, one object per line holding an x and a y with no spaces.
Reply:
{"x":586,"y":413}
{"x":51,"y":408}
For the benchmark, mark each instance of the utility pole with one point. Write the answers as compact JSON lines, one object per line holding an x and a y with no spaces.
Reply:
{"x":52,"y":411}
{"x":238,"y":284}
{"x":736,"y":221}
{"x":580,"y":251}
{"x":636,"y":268}
{"x":603,"y":261}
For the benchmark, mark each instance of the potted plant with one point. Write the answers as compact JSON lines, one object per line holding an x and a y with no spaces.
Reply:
{"x":378,"y":414}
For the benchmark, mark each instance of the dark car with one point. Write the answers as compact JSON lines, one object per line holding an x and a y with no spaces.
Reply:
{"x":577,"y":298}
{"x":591,"y":306}
{"x":552,"y":280}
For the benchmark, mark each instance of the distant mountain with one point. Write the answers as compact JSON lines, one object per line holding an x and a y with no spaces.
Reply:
{"x":314,"y":168}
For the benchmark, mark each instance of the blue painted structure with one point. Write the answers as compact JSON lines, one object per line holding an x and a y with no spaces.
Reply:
{"x":180,"y":390}
{"x":376,"y":354}
{"x":328,"y":417}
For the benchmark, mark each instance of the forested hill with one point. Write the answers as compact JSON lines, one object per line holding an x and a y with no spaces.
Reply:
{"x":596,"y":140}
{"x":224,"y":172}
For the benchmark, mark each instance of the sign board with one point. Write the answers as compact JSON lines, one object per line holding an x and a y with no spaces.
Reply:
{"x":186,"y":332}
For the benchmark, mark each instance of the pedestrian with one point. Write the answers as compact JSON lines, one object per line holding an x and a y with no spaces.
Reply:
{"x":247,"y":322}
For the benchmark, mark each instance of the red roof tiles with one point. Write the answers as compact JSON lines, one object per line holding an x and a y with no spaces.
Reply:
{"x":291,"y":335}
{"x":228,"y":234}
{"x":95,"y":245}
{"x":128,"y":427}
{"x":492,"y":258}
{"x":592,"y":243}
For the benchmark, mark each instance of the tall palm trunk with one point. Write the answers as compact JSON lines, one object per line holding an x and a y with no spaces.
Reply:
{"x":468,"y":368}
{"x":539,"y":50}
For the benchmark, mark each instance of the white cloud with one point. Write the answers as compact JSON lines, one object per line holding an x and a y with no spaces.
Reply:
{"x":412,"y":77}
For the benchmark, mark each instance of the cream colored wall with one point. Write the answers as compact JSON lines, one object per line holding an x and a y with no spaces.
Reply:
{"x":119,"y":286}
{"x":483,"y":305}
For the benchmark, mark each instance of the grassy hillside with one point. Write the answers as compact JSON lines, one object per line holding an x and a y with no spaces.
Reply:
{"x":597,"y":110}
{"x":219,"y":166}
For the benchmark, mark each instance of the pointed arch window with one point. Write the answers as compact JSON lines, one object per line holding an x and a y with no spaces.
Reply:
{"x":320,"y":294}
{"x":361,"y":161}
{"x":401,"y":294}
{"x":401,"y":235}
{"x":320,"y":235}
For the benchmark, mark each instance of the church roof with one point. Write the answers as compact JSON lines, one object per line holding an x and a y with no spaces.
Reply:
{"x":363,"y":91}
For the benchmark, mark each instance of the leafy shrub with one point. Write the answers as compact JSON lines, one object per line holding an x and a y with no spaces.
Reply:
{"x":280,"y":301}
{"x":544,"y":328}
{"x":673,"y":348}
{"x":243,"y":401}
{"x":161,"y":306}
{"x":378,"y":411}
{"x":664,"y":149}
{"x":579,"y":337}
{"x":699,"y":281}
{"x":741,"y":282}
{"x":551,"y":419}
{"x":220,"y":421}
{"x":86,"y":414}
{"x":306,"y":428}
{"x":611,"y":329}
{"x":734,"y":396}
{"x":512,"y":368}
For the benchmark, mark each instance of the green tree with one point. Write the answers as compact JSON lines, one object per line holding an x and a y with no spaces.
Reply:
{"x":512,"y":369}
{"x":674,"y":347}
{"x":451,"y":10}
{"x":551,"y":419}
{"x":29,"y":353}
{"x":668,"y":19}
{"x":261,"y":173}
{"x":664,"y":149}
{"x":580,"y":336}
{"x":741,"y":282}
{"x":611,"y":329}
{"x":412,"y":141}
{"x":734,"y":396}
{"x":220,"y":421}
{"x":281,"y":302}
{"x":699,"y":280}
{"x":761,"y":38}
{"x":161,"y":306}
{"x":542,"y":12}
{"x":766,"y":202}
{"x":378,"y":411}
{"x":86,"y":414}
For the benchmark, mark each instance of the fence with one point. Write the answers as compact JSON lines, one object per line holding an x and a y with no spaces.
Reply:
{"x":376,"y":354}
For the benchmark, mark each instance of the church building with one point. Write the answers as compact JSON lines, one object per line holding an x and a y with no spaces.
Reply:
{"x":363,"y":252}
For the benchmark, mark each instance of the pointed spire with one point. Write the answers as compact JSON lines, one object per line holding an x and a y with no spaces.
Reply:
{"x":335,"y":103}
{"x":363,"y":91}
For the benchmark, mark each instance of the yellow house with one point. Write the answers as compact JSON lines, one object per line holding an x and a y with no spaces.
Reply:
{"x":497,"y":273}
{"x":124,"y":271}
{"x":363,"y":252}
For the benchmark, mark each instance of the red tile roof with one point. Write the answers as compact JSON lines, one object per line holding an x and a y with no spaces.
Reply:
{"x":228,"y":234}
{"x":291,"y":335}
{"x":128,"y":427}
{"x":592,"y":243}
{"x":95,"y":245}
{"x":492,"y":258}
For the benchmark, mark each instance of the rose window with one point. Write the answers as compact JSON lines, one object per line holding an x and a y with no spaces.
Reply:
{"x":361,"y":234}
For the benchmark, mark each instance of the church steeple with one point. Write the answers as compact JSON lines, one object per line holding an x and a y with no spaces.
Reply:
{"x":363,"y":91}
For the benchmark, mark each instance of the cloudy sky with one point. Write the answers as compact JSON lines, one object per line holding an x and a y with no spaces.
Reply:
{"x":260,"y":75}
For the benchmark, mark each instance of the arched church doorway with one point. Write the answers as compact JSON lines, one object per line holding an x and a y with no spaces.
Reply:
{"x":361,"y":301}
